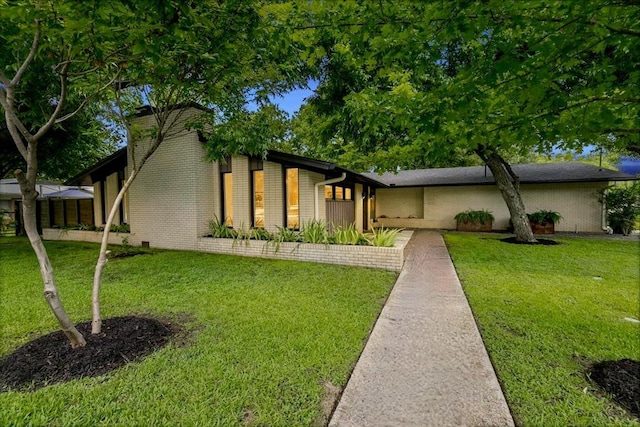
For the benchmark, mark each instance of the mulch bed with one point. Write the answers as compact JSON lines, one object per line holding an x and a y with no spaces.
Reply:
{"x":621,"y":379}
{"x":546,"y":242}
{"x":50,"y":359}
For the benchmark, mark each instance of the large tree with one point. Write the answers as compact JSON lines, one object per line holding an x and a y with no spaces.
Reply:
{"x":404,"y":79}
{"x":209,"y":52}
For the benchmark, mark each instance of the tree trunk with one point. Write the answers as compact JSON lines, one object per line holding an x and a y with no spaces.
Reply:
{"x":508,"y":185}
{"x":96,"y":323}
{"x":29,"y":197}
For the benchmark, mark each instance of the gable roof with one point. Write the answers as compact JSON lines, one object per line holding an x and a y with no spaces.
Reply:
{"x":118,"y":160}
{"x":321,"y":166}
{"x":533,"y":173}
{"x":105,"y":167}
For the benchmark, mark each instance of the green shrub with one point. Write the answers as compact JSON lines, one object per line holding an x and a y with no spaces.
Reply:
{"x":384,"y":237}
{"x":349,"y":236}
{"x":315,"y":231}
{"x":260,"y":233}
{"x":543,"y":217}
{"x":623,"y":207}
{"x":283,"y":235}
{"x":475,"y":217}
{"x":219,"y":229}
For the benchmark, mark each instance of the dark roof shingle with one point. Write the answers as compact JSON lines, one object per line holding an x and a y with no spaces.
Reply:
{"x":541,"y":173}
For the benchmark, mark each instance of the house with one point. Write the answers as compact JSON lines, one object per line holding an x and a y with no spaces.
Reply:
{"x":179,"y":191}
{"x":431,"y":198}
{"x":57,"y":205}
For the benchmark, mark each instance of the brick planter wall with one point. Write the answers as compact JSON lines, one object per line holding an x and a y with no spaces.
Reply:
{"x":361,"y":256}
{"x":85,"y":236}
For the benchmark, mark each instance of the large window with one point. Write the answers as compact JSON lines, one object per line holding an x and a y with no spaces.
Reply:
{"x":227,"y":207}
{"x":227,"y":191}
{"x":291,"y":190}
{"x":258,"y":198}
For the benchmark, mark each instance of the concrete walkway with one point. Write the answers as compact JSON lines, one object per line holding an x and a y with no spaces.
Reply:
{"x":425,"y":363}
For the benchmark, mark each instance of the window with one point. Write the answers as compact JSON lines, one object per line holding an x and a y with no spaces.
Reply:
{"x":227,"y":206}
{"x":338,"y":192}
{"x":291,"y":190}
{"x":227,"y":192}
{"x":258,"y":198}
{"x":328,"y":192}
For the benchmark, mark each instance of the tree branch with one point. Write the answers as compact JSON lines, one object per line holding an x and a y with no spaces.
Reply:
{"x":625,"y":31}
{"x":88,"y":98}
{"x":32,"y":53}
{"x":63,"y":97}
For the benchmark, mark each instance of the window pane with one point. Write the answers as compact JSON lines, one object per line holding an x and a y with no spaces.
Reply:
{"x":347,"y":194}
{"x":328,"y":192}
{"x":339,"y":193}
{"x":258,"y":199}
{"x":228,"y":199}
{"x":293,"y":215}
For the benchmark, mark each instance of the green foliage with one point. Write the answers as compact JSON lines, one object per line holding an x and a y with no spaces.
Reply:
{"x":260,"y":233}
{"x":267,"y":333}
{"x":283,"y":235}
{"x":623,"y":207}
{"x":219,"y":229}
{"x":349,"y":236}
{"x":475,"y":217}
{"x":417,"y":82}
{"x":314,"y":231}
{"x":547,"y":311}
{"x":384,"y":237}
{"x":543,"y":217}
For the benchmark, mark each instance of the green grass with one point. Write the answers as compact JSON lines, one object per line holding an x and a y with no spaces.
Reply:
{"x":267,"y":336}
{"x":544,"y":309}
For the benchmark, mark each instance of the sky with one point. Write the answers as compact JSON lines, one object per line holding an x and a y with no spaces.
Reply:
{"x":291,"y":102}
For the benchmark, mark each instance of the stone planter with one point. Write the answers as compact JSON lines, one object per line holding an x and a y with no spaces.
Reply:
{"x":546,"y":228}
{"x":476,"y":227}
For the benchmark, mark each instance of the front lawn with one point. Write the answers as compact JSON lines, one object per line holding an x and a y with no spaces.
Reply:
{"x":270,"y":340}
{"x":546,"y":312}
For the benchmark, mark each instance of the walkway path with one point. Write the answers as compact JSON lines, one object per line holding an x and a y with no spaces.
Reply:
{"x":425,"y":363}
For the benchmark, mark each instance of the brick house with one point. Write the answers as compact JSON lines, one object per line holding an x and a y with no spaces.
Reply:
{"x":179,"y":191}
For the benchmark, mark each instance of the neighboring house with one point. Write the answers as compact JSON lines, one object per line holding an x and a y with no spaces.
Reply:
{"x":430,"y":198}
{"x":179,"y":191}
{"x":57,"y":204}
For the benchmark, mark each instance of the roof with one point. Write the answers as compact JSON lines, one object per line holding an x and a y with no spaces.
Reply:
{"x":105,"y":167}
{"x":71,"y":193}
{"x":321,"y":166}
{"x":533,"y":173}
{"x":10,"y":189}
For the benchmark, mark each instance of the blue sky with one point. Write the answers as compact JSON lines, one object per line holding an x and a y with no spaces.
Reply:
{"x":292,"y":101}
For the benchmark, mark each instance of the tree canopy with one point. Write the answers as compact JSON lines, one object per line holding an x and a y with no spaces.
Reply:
{"x":408,"y":79}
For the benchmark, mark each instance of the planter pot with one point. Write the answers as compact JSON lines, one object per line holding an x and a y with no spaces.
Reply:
{"x":546,"y":228}
{"x":479,"y":226}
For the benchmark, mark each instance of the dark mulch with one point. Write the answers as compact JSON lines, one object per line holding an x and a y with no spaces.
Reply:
{"x":546,"y":242}
{"x":50,"y":359}
{"x":127,"y":254}
{"x":621,"y":379}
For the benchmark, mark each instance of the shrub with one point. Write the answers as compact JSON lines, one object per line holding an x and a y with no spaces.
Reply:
{"x":475,"y":217}
{"x":281,"y":236}
{"x":543,"y":217}
{"x":315,"y":232}
{"x":260,"y":233}
{"x":384,"y":237}
{"x":623,"y":207}
{"x":219,"y":229}
{"x":349,"y":236}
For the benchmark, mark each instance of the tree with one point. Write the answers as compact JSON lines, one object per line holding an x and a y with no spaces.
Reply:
{"x":402,"y":78}
{"x":206,"y":51}
{"x":218,"y":69}
{"x":66,"y":150}
{"x":35,"y":38}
